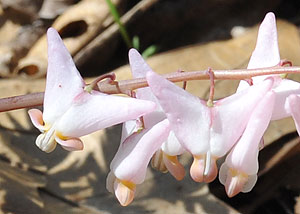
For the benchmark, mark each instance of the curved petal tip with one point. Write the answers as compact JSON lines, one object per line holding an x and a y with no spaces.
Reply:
{"x":124,"y":192}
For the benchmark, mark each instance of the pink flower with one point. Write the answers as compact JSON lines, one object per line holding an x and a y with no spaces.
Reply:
{"x":208,"y":133}
{"x":238,"y":173}
{"x":138,"y":144}
{"x":70,"y":111}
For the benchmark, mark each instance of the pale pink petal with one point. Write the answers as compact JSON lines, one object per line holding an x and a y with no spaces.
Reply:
{"x":73,"y":144}
{"x":284,"y":89}
{"x":188,"y":115}
{"x":172,"y":146}
{"x":236,"y":184}
{"x":92,"y":112}
{"x":124,"y":192}
{"x":36,"y":117}
{"x":174,"y":166}
{"x":138,"y":66}
{"x":204,"y":168}
{"x":63,"y":79}
{"x":130,"y":162}
{"x":233,"y":113}
{"x":128,"y":128}
{"x":248,"y":186}
{"x":139,"y":69}
{"x":243,"y":157}
{"x":294,"y":107}
{"x":266,"y":53}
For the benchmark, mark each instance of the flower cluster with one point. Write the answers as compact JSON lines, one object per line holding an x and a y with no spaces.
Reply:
{"x":163,"y":121}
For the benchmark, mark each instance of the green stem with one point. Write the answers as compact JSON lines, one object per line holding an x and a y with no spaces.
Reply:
{"x":116,"y":16}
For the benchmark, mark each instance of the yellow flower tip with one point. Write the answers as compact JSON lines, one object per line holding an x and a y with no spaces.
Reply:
{"x":204,"y":169}
{"x":210,"y":103}
{"x":124,"y":191}
{"x":158,"y":163}
{"x":174,"y":166}
{"x":235,"y":182}
{"x":283,"y":76}
{"x":61,"y":136}
{"x":89,"y":88}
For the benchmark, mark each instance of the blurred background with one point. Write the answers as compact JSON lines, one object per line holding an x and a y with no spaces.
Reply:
{"x":171,"y":35}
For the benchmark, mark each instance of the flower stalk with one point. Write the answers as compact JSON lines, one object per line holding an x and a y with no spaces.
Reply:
{"x":122,"y":87}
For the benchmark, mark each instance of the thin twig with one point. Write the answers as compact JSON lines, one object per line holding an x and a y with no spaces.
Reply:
{"x":239,"y":74}
{"x":113,"y":87}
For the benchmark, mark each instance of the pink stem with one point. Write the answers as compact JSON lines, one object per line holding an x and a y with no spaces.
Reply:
{"x":36,"y":99}
{"x":23,"y":101}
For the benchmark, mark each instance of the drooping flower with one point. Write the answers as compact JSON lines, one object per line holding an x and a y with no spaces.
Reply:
{"x":137,"y":146}
{"x":166,"y":157}
{"x":69,"y":110}
{"x":128,"y":168}
{"x":208,"y":133}
{"x":266,"y":54}
{"x":238,"y":173}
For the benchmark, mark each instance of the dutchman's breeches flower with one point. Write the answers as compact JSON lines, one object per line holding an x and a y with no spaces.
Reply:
{"x":71,"y":109}
{"x":208,"y":133}
{"x":128,"y":168}
{"x":140,"y":141}
{"x":238,"y":173}
{"x":165,"y":159}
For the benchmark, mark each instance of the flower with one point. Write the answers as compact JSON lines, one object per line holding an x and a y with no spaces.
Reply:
{"x":266,"y":54}
{"x":238,"y":172}
{"x":69,"y":110}
{"x":165,"y":159}
{"x":140,"y":142}
{"x":208,"y":133}
{"x":128,"y":168}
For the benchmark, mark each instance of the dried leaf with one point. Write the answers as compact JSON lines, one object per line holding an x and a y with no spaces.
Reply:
{"x":52,"y":8}
{"x":22,"y":11}
{"x":77,"y":26}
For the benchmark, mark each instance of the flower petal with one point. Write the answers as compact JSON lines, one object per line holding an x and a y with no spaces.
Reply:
{"x":174,"y":166}
{"x":36,"y":117}
{"x":294,"y":106}
{"x":92,"y":112}
{"x":172,"y":146}
{"x":189,"y":117}
{"x":243,"y":157}
{"x":266,"y":53}
{"x":124,"y":193}
{"x":204,"y":168}
{"x":46,"y":142}
{"x":128,"y":128}
{"x":130,"y":162}
{"x":63,"y":79}
{"x":73,"y":144}
{"x":139,"y":69}
{"x":138,"y":66}
{"x":284,"y":89}
{"x":233,"y":113}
